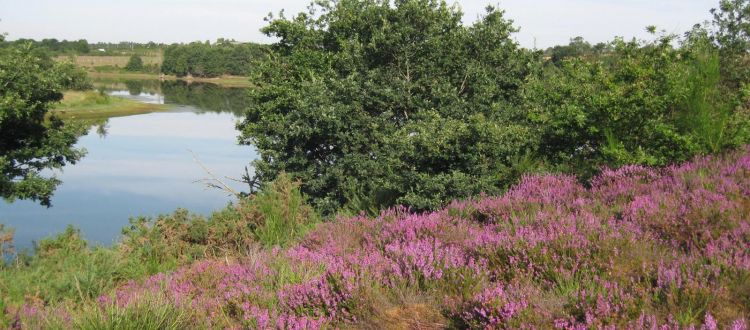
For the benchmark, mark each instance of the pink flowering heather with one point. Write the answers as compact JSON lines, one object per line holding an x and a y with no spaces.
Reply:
{"x":640,"y":248}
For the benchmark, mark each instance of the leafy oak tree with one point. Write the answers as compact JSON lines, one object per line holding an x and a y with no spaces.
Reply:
{"x":31,"y":141}
{"x":373,"y":103}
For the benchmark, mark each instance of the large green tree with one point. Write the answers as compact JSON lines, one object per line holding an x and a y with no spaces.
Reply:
{"x":30,"y":140}
{"x":372,"y":103}
{"x":732,"y":34}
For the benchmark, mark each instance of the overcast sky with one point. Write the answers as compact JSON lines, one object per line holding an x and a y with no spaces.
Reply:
{"x":549,"y":22}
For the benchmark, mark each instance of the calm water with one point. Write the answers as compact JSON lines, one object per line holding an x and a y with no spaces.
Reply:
{"x":143,"y":165}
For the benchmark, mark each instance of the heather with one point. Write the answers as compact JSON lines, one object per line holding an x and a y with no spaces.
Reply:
{"x":64,"y":269}
{"x":638,"y":248}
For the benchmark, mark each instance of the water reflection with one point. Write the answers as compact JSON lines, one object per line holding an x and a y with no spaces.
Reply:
{"x":205,"y":97}
{"x":141,"y":165}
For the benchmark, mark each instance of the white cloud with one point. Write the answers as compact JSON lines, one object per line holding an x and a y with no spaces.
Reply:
{"x":175,"y":125}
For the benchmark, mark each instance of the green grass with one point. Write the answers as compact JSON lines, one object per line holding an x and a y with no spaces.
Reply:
{"x":64,"y":271}
{"x":63,"y":268}
{"x":95,"y":105}
{"x":151,"y":313}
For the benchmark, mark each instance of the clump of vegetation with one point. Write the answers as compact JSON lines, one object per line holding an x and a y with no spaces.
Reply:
{"x":653,"y":104}
{"x":373,"y":104}
{"x":51,"y":45}
{"x":640,"y":248}
{"x":6,"y":242}
{"x":31,"y":141}
{"x":278,"y":215}
{"x":135,"y":63}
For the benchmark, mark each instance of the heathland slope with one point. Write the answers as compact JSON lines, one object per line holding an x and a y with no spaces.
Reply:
{"x":637,"y":248}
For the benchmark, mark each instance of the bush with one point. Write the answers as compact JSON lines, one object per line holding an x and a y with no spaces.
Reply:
{"x":211,"y":60}
{"x":135,"y":63}
{"x":639,"y":248}
{"x":278,"y":214}
{"x":62,"y":268}
{"x":647,"y":104}
{"x":275,"y":216}
{"x":73,"y":77}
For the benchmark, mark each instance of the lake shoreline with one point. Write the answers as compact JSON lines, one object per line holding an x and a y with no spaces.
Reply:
{"x":79,"y":105}
{"x":224,"y":81}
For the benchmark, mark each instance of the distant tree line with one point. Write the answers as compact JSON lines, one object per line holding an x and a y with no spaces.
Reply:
{"x":577,"y":48}
{"x":201,"y":59}
{"x":83,"y":47}
{"x":53,"y":46}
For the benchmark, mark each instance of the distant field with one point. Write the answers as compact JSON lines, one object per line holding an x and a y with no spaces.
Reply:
{"x":89,"y":61}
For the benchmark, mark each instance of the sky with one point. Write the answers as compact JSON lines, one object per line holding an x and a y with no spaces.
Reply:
{"x":543,"y":23}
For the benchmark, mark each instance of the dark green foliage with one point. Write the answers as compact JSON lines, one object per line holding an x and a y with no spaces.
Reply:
{"x":372,"y":103}
{"x":30,"y":142}
{"x":72,"y":77}
{"x":732,"y":25}
{"x":646,"y":104}
{"x":577,"y":48}
{"x":211,"y":60}
{"x":135,"y":63}
{"x":53,"y":46}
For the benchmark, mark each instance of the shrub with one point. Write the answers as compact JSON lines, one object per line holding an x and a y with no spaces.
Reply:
{"x":73,"y":77}
{"x":62,"y":268}
{"x":135,"y":63}
{"x":645,"y":103}
{"x":278,"y":214}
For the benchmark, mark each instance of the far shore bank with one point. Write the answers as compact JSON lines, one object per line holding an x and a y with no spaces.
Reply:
{"x":226,"y":81}
{"x":92,"y":105}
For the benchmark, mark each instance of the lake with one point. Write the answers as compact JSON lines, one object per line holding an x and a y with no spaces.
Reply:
{"x":143,"y":165}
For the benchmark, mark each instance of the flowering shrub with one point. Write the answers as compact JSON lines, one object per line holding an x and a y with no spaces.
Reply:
{"x":640,"y":248}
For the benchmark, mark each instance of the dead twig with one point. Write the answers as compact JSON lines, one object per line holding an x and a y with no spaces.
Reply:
{"x":213,"y":181}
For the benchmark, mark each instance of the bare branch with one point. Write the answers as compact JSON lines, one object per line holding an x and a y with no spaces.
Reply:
{"x":213,"y":181}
